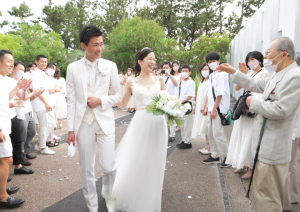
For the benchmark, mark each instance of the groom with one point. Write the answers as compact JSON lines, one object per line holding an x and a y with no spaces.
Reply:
{"x":91,"y":117}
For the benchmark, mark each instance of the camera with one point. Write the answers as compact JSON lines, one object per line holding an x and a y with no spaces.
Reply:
{"x":163,"y":71}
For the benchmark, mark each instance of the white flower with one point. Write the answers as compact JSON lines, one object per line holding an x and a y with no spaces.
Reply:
{"x":170,"y":104}
{"x":103,"y":70}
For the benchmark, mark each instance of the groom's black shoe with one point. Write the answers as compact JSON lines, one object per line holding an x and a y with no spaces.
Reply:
{"x":171,"y":139}
{"x":12,"y":190}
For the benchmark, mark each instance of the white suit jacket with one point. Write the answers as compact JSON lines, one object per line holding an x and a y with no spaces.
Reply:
{"x":77,"y":94}
{"x":276,"y":142}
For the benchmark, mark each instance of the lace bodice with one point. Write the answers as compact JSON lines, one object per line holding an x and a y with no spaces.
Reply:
{"x":142,"y":95}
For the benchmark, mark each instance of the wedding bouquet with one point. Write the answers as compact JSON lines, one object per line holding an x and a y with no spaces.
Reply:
{"x":171,"y":106}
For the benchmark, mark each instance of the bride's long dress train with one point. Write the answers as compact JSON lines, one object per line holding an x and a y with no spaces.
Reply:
{"x":141,"y":157}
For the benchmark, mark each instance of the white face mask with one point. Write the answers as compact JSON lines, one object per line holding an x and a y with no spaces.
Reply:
{"x":205,"y":74}
{"x":213,"y":66}
{"x":50,"y":71}
{"x":20,"y":74}
{"x":253,"y":64}
{"x":175,"y":68}
{"x":268,"y":64}
{"x":185,"y":75}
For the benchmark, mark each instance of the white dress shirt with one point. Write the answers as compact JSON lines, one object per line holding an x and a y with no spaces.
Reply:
{"x":221,"y":87}
{"x":170,"y":87}
{"x":5,"y":122}
{"x":89,"y":70}
{"x":38,"y":78}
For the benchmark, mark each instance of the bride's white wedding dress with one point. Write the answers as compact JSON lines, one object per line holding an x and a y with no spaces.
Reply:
{"x":141,"y":157}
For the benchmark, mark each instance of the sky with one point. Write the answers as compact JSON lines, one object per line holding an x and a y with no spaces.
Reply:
{"x":37,"y":5}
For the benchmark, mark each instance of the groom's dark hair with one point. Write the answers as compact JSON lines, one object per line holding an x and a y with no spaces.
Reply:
{"x":89,"y":32}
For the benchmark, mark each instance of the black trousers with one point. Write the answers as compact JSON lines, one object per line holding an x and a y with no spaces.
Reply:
{"x":18,"y":129}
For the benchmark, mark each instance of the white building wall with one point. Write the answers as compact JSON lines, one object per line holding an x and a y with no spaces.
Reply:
{"x":278,"y":18}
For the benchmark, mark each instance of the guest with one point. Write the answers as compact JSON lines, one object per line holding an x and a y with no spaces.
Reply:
{"x":291,"y":195}
{"x":171,"y":84}
{"x":131,"y":102}
{"x":27,"y":124}
{"x":53,"y":89}
{"x":18,"y":127}
{"x":6,"y":66}
{"x":60,"y":97}
{"x":31,"y":66}
{"x":216,"y":135}
{"x":275,"y":150}
{"x":200,"y":127}
{"x":122,"y":81}
{"x":186,"y":92}
{"x":239,"y":151}
{"x":177,"y":75}
{"x":158,"y":71}
{"x":41,"y":105}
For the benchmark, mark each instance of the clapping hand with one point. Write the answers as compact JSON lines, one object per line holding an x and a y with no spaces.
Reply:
{"x":24,"y":84}
{"x":243,"y":68}
{"x":38,"y":92}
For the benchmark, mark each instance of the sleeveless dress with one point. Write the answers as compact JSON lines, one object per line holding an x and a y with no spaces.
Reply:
{"x":239,"y":150}
{"x":141,"y":157}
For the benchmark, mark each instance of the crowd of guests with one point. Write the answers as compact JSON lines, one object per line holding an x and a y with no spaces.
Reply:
{"x":37,"y":93}
{"x":32,"y":100}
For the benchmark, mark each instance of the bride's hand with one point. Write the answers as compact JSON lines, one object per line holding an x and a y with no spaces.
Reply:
{"x":111,"y":91}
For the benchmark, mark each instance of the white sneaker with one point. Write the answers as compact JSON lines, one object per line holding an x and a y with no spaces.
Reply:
{"x":47,"y":151}
{"x":36,"y":134}
{"x":111,"y":204}
{"x":37,"y":148}
{"x":204,"y":151}
{"x":57,"y":137}
{"x":61,"y":126}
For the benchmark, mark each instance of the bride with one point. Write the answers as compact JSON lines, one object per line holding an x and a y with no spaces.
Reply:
{"x":141,"y":155}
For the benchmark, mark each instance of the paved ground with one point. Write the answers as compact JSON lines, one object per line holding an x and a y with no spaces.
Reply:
{"x":189,"y":185}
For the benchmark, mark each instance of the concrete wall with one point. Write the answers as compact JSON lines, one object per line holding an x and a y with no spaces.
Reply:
{"x":277,"y":18}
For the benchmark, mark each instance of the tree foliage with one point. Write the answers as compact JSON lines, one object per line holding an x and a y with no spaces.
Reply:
{"x":129,"y":36}
{"x":12,"y":43}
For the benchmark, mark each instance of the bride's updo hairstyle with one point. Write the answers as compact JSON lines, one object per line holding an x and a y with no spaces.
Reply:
{"x":140,"y":56}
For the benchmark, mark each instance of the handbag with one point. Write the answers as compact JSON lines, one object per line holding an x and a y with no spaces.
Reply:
{"x":240,"y":108}
{"x":225,"y":120}
{"x":188,"y":111}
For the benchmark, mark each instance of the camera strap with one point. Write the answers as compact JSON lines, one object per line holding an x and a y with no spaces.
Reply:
{"x":167,"y":80}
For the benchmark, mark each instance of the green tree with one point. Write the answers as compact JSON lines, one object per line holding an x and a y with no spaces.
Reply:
{"x":23,"y":13}
{"x":129,"y":36}
{"x":34,"y":40}
{"x":203,"y":45}
{"x":4,"y":22}
{"x":12,"y":43}
{"x":67,"y":20}
{"x":248,"y":8}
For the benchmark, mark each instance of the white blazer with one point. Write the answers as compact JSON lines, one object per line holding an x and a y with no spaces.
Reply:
{"x":77,"y":94}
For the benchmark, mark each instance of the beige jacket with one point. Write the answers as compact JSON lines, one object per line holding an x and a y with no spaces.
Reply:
{"x":276,"y":142}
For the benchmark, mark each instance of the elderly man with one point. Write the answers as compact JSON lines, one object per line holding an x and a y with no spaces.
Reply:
{"x":275,"y":151}
{"x":291,"y":195}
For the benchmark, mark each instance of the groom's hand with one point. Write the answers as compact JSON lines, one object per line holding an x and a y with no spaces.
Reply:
{"x":93,"y":102}
{"x":71,"y":138}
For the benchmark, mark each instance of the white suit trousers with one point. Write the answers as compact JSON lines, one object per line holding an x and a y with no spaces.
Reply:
{"x":290,"y":188}
{"x":172,"y":131}
{"x":87,"y":137}
{"x":42,"y":117}
{"x":187,"y":128}
{"x":216,"y":135}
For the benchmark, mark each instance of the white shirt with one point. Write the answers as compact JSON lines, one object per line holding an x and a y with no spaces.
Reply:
{"x":61,"y":82}
{"x":170,"y":86}
{"x":38,"y":78}
{"x":221,"y":87}
{"x":5,"y":122}
{"x":187,"y":88}
{"x":89,"y":70}
{"x":10,"y":85}
{"x":51,"y":85}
